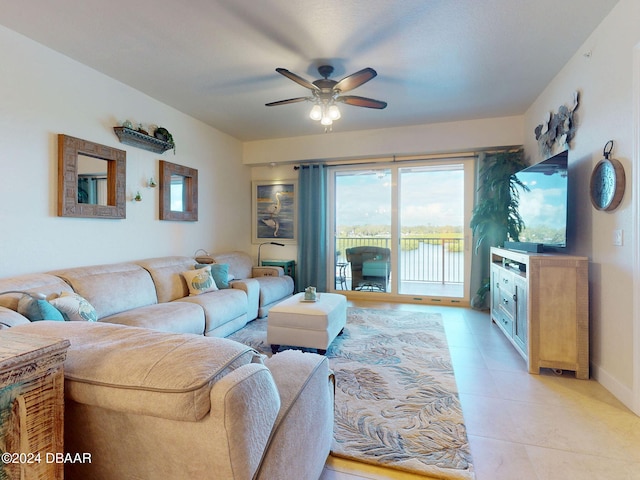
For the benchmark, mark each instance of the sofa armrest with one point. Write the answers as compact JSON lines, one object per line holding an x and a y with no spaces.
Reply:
{"x":252,"y":288}
{"x":245,"y":405}
{"x":227,"y":443}
{"x":301,"y":437}
{"x":10,"y":318}
{"x":267,"y":272}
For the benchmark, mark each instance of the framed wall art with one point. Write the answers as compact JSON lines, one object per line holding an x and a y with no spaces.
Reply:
{"x":274,"y":211}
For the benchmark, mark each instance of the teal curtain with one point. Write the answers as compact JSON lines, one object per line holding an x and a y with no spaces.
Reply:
{"x":312,"y":228}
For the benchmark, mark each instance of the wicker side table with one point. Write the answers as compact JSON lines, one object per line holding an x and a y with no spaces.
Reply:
{"x":31,"y":406}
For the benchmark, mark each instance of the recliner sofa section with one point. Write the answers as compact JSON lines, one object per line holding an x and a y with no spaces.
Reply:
{"x":149,"y":404}
{"x":225,"y":311}
{"x":274,"y":285}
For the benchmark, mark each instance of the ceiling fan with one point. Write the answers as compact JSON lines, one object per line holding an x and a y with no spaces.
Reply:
{"x":326,"y":92}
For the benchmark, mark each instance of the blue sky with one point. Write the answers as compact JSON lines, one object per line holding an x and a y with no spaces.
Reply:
{"x":428,"y":198}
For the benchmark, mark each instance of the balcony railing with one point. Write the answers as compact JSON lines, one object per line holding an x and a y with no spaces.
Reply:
{"x":422,"y":259}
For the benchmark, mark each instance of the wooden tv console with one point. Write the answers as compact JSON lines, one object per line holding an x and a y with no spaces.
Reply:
{"x":541,"y":303}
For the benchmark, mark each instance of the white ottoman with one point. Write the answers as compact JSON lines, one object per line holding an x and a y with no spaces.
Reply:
{"x":297,"y":323}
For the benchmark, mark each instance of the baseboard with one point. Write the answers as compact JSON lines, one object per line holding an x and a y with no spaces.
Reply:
{"x":617,"y":389}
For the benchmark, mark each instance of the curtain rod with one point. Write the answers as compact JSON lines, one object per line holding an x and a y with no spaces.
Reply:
{"x":393,"y":159}
{"x":403,"y":158}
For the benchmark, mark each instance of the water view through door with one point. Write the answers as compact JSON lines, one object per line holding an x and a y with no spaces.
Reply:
{"x":363,"y":226}
{"x":431,"y":216}
{"x":400,"y":230}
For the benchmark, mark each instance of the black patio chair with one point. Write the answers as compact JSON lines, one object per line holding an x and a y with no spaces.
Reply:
{"x":370,"y":267}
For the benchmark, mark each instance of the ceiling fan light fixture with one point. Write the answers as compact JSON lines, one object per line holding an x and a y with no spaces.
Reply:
{"x":316,"y":113}
{"x":326,"y":92}
{"x":334,"y":112}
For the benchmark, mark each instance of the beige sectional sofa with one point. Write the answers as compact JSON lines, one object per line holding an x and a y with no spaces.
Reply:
{"x":151,"y":391}
{"x":153,"y":293}
{"x":147,"y":404}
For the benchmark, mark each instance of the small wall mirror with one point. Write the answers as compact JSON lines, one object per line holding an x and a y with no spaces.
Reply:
{"x":91,"y":179}
{"x":178,"y":192}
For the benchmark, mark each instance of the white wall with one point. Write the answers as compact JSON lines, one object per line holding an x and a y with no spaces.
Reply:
{"x":44,"y":94}
{"x":414,"y":140}
{"x":602,"y":70}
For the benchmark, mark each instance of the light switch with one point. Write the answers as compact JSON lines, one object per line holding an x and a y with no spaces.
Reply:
{"x":617,"y":238}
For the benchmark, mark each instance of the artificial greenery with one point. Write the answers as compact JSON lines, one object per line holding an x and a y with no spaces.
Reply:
{"x":163,"y":134}
{"x":495,"y":218}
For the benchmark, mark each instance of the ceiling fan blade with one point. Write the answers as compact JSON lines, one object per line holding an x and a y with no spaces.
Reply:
{"x":297,"y":78}
{"x":362,"y":101}
{"x":289,"y":100}
{"x":355,"y":80}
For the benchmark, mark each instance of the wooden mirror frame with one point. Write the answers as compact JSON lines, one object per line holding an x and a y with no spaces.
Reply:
{"x":190,"y":213}
{"x":68,"y":150}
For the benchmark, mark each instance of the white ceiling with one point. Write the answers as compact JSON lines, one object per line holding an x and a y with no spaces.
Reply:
{"x":437,"y":60}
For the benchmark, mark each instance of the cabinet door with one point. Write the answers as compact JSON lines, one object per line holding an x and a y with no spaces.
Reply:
{"x":520,"y":324}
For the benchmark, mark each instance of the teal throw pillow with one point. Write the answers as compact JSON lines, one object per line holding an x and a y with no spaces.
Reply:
{"x":36,"y":308}
{"x":220,"y":274}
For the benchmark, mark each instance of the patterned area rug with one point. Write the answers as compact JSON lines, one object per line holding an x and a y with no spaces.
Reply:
{"x":396,"y":396}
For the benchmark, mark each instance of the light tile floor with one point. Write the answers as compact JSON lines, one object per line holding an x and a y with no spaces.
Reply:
{"x":523,"y":426}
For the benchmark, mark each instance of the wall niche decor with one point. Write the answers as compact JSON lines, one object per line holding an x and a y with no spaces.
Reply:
{"x":558,"y":129}
{"x":178,"y":192}
{"x":91,"y":179}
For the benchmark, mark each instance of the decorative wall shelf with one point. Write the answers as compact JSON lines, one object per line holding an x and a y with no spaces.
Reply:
{"x":140,"y":140}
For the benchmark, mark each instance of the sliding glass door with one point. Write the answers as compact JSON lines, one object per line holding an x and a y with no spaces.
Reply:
{"x":401,"y":228}
{"x":362,"y":226}
{"x":431,"y":216}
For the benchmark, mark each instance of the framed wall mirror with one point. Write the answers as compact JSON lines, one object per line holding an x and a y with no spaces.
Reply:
{"x":178,"y":192}
{"x":91,"y":179}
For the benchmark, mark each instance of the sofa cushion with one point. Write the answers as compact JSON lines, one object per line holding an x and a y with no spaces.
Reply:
{"x":165,"y":317}
{"x":220,"y":307}
{"x":240,"y":264}
{"x":112,"y":288}
{"x":142,"y":371}
{"x":32,"y":282}
{"x":167,"y":276}
{"x":10,"y":318}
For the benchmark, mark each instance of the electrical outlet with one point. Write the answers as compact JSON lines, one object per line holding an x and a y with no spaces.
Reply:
{"x":617,"y":238}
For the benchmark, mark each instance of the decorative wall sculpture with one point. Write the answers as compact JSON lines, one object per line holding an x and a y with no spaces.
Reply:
{"x":558,"y":129}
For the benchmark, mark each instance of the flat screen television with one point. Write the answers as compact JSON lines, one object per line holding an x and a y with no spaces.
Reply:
{"x":544,"y":205}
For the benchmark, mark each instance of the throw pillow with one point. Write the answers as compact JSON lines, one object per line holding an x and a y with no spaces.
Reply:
{"x":35,"y":307}
{"x":220,"y":274}
{"x":200,"y":280}
{"x":74,"y":307}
